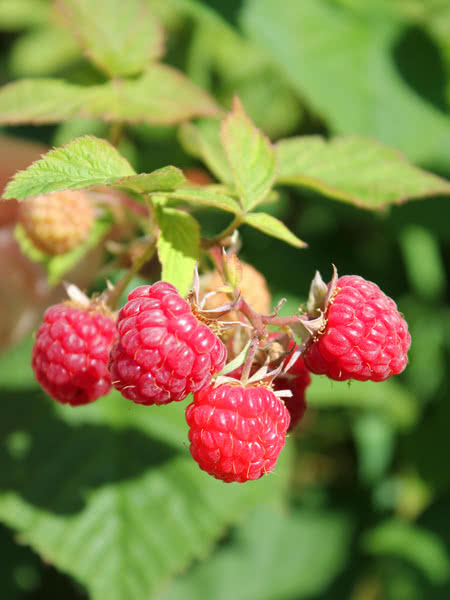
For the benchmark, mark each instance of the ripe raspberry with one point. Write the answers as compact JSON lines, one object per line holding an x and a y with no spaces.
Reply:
{"x":296,"y":380}
{"x":164,"y":351}
{"x":365,"y":337}
{"x":236,"y":432}
{"x":70,"y":355}
{"x":57,"y":223}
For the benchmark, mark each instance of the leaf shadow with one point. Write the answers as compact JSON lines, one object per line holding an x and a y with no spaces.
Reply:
{"x":421,"y":65}
{"x":55,"y":465}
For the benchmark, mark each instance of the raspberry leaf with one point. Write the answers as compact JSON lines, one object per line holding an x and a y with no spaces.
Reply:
{"x":213,"y":196}
{"x":356,"y":170}
{"x":178,"y":247}
{"x":342,"y":60}
{"x":125,"y":512}
{"x":250,"y":155}
{"x":18,"y":14}
{"x":203,"y":141}
{"x":85,"y":162}
{"x":293,"y":574}
{"x":119,"y":37}
{"x":273,"y":227}
{"x":160,"y":96}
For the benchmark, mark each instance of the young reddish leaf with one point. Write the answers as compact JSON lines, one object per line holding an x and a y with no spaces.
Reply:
{"x":250,"y":155}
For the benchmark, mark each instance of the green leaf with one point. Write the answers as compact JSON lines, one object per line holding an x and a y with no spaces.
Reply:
{"x":41,"y":101}
{"x":375,"y":443}
{"x":85,"y":162}
{"x":206,"y":196}
{"x":356,"y":170}
{"x":275,"y":554}
{"x":342,"y":62}
{"x":119,"y":37}
{"x":250,"y":155}
{"x":164,"y":179}
{"x":18,"y":14}
{"x":178,"y":247}
{"x":160,"y":96}
{"x":272,"y":226}
{"x":109,"y":493}
{"x":423,"y":548}
{"x":203,"y":141}
{"x":41,"y":52}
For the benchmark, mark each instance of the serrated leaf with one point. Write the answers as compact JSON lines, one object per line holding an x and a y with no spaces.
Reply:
{"x":250,"y":155}
{"x":273,"y":227}
{"x":203,"y":196}
{"x":284,"y":552}
{"x":160,"y":96}
{"x":178,"y":247}
{"x":161,"y":180}
{"x":357,"y":170}
{"x":344,"y":64}
{"x":109,"y":494}
{"x":203,"y":141}
{"x":119,"y":37}
{"x":85,"y":162}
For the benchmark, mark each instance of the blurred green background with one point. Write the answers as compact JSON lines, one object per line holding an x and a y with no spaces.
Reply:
{"x":359,"y":506}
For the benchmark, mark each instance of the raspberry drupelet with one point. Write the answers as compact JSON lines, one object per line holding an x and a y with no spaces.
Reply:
{"x":164,"y":352}
{"x":236,"y":432}
{"x":70,"y":355}
{"x":364,"y":338}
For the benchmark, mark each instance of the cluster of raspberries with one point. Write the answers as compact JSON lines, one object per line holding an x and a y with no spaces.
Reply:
{"x":158,"y":352}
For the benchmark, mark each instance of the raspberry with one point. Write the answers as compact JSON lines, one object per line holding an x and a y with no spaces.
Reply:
{"x":296,"y":380}
{"x":236,"y":432}
{"x":57,"y":223}
{"x":364,"y":337}
{"x":70,"y":355}
{"x":164,"y":351}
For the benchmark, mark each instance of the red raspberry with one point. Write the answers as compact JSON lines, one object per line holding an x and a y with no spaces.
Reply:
{"x":70,"y":355}
{"x":365,"y":337}
{"x":164,"y":352}
{"x":236,"y":432}
{"x":296,"y":380}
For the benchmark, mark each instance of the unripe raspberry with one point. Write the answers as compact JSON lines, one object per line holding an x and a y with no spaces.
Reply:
{"x":296,"y":380}
{"x":236,"y":432}
{"x":59,"y":222}
{"x":70,"y":355}
{"x":253,"y":287}
{"x":364,"y":337}
{"x":164,"y":352}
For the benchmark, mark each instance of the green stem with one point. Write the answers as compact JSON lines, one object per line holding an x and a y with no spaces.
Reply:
{"x":115,"y":133}
{"x":112,"y":296}
{"x":227,"y":232}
